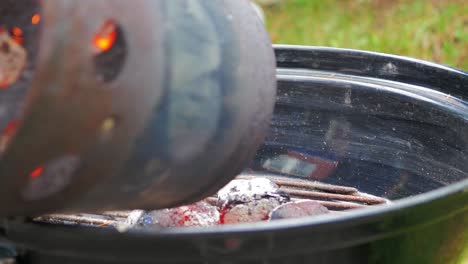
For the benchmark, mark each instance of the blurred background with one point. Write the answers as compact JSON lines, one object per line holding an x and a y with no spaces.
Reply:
{"x":434,"y":30}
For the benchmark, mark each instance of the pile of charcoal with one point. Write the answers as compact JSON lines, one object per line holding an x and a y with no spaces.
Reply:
{"x":241,"y":201}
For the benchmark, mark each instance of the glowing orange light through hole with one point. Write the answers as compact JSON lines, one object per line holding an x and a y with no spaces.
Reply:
{"x":37,"y":172}
{"x":17,"y":31}
{"x":17,"y":35}
{"x":36,"y":18}
{"x":105,"y":38}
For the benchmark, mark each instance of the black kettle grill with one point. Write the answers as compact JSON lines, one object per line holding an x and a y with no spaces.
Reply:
{"x":391,"y":126}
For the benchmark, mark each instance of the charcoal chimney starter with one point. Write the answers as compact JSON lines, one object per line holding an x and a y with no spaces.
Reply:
{"x":128,"y":104}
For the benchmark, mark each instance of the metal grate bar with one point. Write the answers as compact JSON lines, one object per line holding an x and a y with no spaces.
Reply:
{"x":331,"y":196}
{"x":309,"y":185}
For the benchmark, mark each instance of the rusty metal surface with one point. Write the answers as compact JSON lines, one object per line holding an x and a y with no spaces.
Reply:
{"x":178,"y":120}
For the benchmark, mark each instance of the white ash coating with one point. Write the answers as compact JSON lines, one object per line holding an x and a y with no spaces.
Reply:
{"x":134,"y":217}
{"x":132,"y":221}
{"x":244,"y":191}
{"x":199,"y":214}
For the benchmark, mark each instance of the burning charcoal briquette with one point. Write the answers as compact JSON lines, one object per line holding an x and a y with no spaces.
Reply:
{"x":199,"y":214}
{"x":298,"y":209}
{"x":247,"y":190}
{"x":254,"y":211}
{"x":243,"y":201}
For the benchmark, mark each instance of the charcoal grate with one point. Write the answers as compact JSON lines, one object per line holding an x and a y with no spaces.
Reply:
{"x":336,"y":198}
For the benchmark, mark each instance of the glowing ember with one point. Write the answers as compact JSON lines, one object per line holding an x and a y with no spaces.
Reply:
{"x":36,"y":18}
{"x":105,"y":38}
{"x":37,"y":172}
{"x":17,"y":31}
{"x":17,"y":35}
{"x":198,"y":214}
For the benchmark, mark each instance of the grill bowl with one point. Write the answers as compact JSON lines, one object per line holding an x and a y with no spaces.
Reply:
{"x":390,"y":126}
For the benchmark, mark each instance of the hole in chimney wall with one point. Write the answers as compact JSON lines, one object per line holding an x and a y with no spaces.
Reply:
{"x":110,"y":50}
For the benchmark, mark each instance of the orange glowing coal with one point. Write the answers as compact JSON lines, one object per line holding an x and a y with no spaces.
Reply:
{"x":35,"y":19}
{"x":105,"y":38}
{"x":17,"y":35}
{"x":17,"y":31}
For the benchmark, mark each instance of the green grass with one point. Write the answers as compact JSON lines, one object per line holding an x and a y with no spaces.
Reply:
{"x":434,"y":30}
{"x":464,"y":258}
